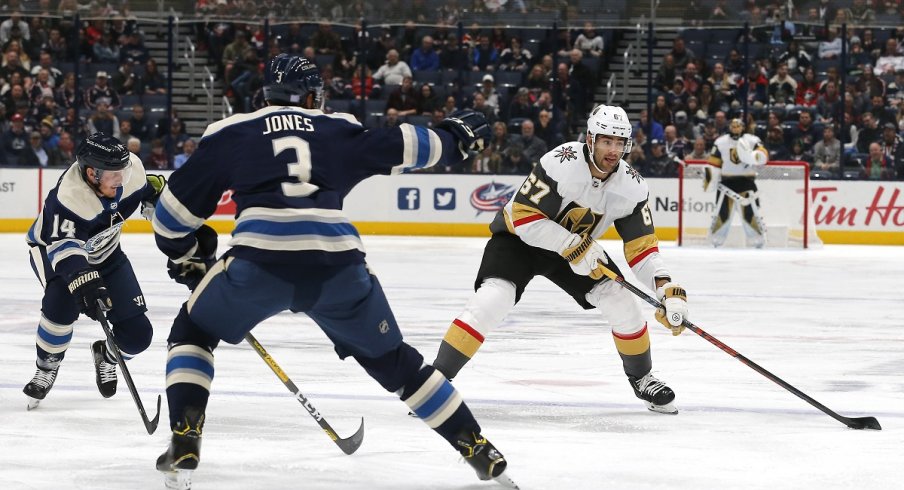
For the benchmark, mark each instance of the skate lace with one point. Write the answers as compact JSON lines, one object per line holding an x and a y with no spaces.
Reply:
{"x":107,"y":372}
{"x":650,"y":385}
{"x":44,"y":378}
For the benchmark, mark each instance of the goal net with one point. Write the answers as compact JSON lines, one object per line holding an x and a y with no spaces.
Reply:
{"x":784,"y":203}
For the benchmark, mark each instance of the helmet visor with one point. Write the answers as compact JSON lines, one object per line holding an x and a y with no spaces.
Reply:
{"x":114,"y":178}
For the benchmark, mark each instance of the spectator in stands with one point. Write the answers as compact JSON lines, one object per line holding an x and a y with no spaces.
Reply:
{"x":485,"y":162}
{"x":67,"y":95}
{"x":514,"y":57}
{"x":233,"y":53}
{"x":404,"y":98}
{"x":676,"y":96}
{"x":681,"y":54}
{"x":390,"y":119}
{"x":547,"y":130}
{"x":484,"y":56}
{"x":479,"y":104}
{"x":325,"y":41}
{"x":890,"y":60}
{"x":125,"y":81}
{"x":489,"y":92}
{"x":808,"y":90}
{"x":42,"y":87}
{"x":175,"y":138}
{"x":782,"y":87}
{"x":74,"y":124}
{"x":12,"y":64}
{"x":720,"y":122}
{"x":141,"y":128}
{"x":534,"y":147}
{"x":799,"y":153}
{"x":709,"y":101}
{"x":666,"y":73}
{"x":721,"y":83}
{"x":153,"y":82}
{"x":795,"y":57}
{"x":15,"y":140}
{"x":105,"y":50}
{"x":125,"y":130}
{"x":516,"y":161}
{"x":659,"y":164}
{"x":521,"y":106}
{"x":775,"y":144}
{"x":804,"y":131}
{"x":7,"y":26}
{"x":101,"y":90}
{"x":683,"y":126}
{"x":673,"y":146}
{"x":66,"y":148}
{"x":579,"y":72}
{"x":133,"y":144}
{"x":861,"y":14}
{"x":657,"y":131}
{"x":15,"y":98}
{"x":892,"y":145}
{"x":157,"y":158}
{"x":857,"y":57}
{"x":827,"y":154}
{"x":57,"y":46}
{"x":829,"y":104}
{"x":500,"y":140}
{"x":720,"y":11}
{"x":879,"y":107}
{"x":425,"y":58}
{"x":661,"y":112}
{"x":188,"y":147}
{"x":698,"y":152}
{"x":47,"y":108}
{"x":37,"y":155}
{"x":536,"y":80}
{"x":45,"y":62}
{"x":878,"y":166}
{"x":370,"y":89}
{"x":103,"y":119}
{"x":394,"y":70}
{"x":450,"y":106}
{"x":826,"y":11}
{"x":427,"y":100}
{"x":49,"y":136}
{"x":589,"y":42}
{"x":869,"y":132}
{"x":869,"y":84}
{"x":710,"y":134}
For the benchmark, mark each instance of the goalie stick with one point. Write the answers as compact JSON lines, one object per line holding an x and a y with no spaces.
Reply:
{"x":852,"y":422}
{"x":348,"y":445}
{"x":149,"y":425}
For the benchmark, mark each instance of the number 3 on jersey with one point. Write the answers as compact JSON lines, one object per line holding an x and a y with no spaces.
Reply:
{"x":300,"y":168}
{"x":531,"y":183}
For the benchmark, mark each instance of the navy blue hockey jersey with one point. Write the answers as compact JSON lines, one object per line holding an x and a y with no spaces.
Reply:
{"x":77,"y":228}
{"x":289,"y":169}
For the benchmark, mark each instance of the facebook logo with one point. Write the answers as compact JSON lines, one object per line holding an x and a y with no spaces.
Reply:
{"x":444,"y":198}
{"x":409,"y":198}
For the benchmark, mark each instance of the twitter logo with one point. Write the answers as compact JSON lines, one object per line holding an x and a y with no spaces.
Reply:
{"x":444,"y":198}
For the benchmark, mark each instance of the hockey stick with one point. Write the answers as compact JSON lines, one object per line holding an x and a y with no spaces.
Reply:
{"x":852,"y":422}
{"x":149,"y":425}
{"x":347,"y":445}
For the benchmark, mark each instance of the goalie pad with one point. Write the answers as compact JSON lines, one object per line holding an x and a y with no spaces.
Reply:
{"x":710,"y":178}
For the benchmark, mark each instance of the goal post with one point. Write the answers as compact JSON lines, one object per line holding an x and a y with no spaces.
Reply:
{"x":783,"y":191}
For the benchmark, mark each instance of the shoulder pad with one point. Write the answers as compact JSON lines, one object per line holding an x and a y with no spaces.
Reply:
{"x":566,"y":162}
{"x":629,"y":183}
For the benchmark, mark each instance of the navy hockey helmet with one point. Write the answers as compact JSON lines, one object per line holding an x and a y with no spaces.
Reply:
{"x":105,"y":154}
{"x":290,"y":78}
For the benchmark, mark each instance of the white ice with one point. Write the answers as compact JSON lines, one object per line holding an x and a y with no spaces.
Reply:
{"x":547,"y":386}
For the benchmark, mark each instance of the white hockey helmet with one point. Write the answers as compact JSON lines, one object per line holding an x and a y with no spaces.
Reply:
{"x":609,"y":120}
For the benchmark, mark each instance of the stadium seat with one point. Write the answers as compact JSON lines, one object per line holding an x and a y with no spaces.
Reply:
{"x":417,"y":120}
{"x":430,"y":77}
{"x":699,"y":36}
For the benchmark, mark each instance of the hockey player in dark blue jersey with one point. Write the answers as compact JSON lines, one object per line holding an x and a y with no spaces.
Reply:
{"x":290,"y":166}
{"x":76,"y":255}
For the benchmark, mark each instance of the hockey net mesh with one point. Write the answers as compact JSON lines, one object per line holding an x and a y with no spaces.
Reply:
{"x":783,"y":190}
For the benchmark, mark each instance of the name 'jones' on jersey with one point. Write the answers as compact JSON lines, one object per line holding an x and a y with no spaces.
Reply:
{"x":287,"y":122}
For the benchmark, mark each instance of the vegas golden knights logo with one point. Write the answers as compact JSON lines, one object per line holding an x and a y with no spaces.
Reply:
{"x":733,"y":154}
{"x":578,"y":220}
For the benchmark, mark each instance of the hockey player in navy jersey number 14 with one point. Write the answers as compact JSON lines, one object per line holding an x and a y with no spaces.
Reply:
{"x":290,"y":166}
{"x":550,"y":228}
{"x":76,"y":255}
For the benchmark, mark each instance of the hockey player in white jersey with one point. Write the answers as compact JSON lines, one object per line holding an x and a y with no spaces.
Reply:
{"x":549,"y":228}
{"x":735,"y":155}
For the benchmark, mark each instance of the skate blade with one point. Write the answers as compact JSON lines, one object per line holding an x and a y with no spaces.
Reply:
{"x":177,"y":480}
{"x":668,"y":408}
{"x":32,"y":403}
{"x":504,"y":480}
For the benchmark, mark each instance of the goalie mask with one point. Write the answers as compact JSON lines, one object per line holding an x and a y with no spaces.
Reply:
{"x":736,"y":128}
{"x":607,"y":120}
{"x":289,"y":80}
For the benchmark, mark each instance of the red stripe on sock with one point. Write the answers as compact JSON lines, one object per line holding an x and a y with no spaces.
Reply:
{"x":642,"y":256}
{"x":467,"y":328}
{"x":632,"y":336}
{"x":529,"y":219}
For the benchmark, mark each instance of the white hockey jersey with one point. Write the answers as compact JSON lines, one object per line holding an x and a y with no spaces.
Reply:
{"x":561,"y":197}
{"x":725,"y":155}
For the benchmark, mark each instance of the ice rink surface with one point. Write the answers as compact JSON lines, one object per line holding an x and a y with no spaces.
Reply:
{"x":547,"y":386}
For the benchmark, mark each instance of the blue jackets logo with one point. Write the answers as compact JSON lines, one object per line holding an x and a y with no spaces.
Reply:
{"x":444,"y":199}
{"x":409,"y":198}
{"x":491,"y":197}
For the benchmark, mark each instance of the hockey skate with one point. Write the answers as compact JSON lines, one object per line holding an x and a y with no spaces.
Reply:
{"x":40,"y":384}
{"x":657,"y":396}
{"x":184,"y":452}
{"x":486,"y":460}
{"x":105,"y":371}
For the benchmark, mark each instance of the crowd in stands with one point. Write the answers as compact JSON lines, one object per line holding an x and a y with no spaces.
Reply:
{"x":45,"y":112}
{"x":844,"y":119}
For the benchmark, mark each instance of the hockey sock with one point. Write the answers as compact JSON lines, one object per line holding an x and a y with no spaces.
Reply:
{"x":634,"y":349}
{"x":189,"y":374}
{"x":439,"y":405}
{"x":51,"y":342}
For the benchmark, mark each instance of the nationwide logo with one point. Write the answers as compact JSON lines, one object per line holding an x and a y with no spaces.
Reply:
{"x":491,"y":197}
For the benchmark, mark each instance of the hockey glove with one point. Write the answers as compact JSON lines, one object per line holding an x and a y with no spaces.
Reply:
{"x":470,"y":128}
{"x":158,"y":183}
{"x":87,"y":287}
{"x":584,"y":255}
{"x":674,"y":307}
{"x":749,"y":155}
{"x":191,"y":271}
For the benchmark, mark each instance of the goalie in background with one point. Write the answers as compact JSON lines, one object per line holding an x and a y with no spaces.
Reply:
{"x":735,"y":155}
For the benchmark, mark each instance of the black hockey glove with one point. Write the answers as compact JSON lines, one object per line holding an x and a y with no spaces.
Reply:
{"x":191,"y":271}
{"x":87,"y":287}
{"x":470,"y":128}
{"x":158,"y":183}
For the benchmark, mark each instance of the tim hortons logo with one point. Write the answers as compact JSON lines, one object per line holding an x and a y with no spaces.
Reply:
{"x":884,"y":211}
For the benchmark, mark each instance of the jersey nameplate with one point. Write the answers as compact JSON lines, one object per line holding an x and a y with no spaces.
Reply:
{"x":287,"y":122}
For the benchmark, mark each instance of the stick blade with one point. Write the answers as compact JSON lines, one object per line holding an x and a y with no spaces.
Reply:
{"x":351,"y":444}
{"x":151,"y":425}
{"x":864,"y":423}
